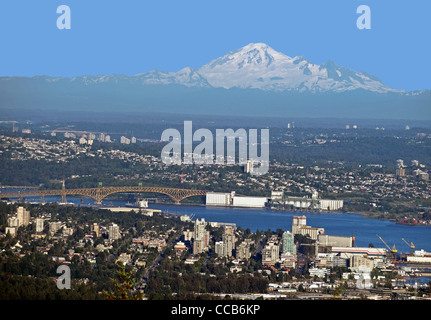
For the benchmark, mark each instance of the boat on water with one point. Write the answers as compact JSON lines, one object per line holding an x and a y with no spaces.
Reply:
{"x":138,"y":204}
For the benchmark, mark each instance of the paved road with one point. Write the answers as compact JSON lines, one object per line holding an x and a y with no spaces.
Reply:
{"x":156,"y":261}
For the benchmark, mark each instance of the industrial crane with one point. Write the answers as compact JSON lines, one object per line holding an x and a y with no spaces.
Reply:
{"x":393,"y":250}
{"x":411,"y":245}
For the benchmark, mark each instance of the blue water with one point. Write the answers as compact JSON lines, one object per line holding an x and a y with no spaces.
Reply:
{"x":364,"y":230}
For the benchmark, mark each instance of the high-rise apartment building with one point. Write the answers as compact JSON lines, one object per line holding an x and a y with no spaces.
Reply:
{"x":400,"y":172}
{"x":95,"y":228}
{"x":299,"y":226}
{"x":54,"y":227}
{"x":114,"y":232}
{"x":270,"y":254}
{"x":228,"y":241}
{"x":219,"y":248}
{"x":201,"y":237}
{"x":243,"y":251}
{"x":248,"y":167}
{"x":288,"y":244}
{"x":23,"y":217}
{"x":39,"y":224}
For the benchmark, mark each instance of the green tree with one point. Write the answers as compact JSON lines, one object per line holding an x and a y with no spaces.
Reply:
{"x":123,"y":288}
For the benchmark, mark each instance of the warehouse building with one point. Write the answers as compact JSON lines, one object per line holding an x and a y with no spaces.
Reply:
{"x":230,"y":199}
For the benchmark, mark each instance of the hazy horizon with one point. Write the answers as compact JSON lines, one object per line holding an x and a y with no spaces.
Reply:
{"x":113,"y":38}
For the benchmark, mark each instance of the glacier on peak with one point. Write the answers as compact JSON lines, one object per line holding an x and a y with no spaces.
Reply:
{"x":256,"y":66}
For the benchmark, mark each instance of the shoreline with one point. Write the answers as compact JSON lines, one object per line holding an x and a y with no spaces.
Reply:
{"x":364,"y":214}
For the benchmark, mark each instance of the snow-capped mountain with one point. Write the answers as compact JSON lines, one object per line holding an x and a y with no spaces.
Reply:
{"x":259,"y":66}
{"x":255,"y":66}
{"x":186,"y":76}
{"x":266,"y":82}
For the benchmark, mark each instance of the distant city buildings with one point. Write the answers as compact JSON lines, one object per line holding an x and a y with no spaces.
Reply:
{"x":21,"y":218}
{"x":416,"y":170}
{"x":126,"y":140}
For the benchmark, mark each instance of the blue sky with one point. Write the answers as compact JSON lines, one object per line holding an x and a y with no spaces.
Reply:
{"x":136,"y":36}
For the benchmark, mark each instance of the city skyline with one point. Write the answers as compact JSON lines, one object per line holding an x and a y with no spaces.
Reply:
{"x":305,"y":175}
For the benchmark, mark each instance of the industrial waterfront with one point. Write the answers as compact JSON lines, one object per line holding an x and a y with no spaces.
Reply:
{"x":364,"y":229}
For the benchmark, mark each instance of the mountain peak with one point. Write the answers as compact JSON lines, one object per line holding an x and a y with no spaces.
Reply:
{"x":256,"y":45}
{"x":259,"y":66}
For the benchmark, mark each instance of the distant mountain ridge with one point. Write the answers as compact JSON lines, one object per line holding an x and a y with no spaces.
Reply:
{"x":259,"y":66}
{"x":254,"y":79}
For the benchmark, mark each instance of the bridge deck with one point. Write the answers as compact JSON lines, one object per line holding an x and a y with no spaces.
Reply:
{"x":99,"y":193}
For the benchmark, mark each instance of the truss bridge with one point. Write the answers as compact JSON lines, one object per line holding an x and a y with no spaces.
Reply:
{"x":98,"y":194}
